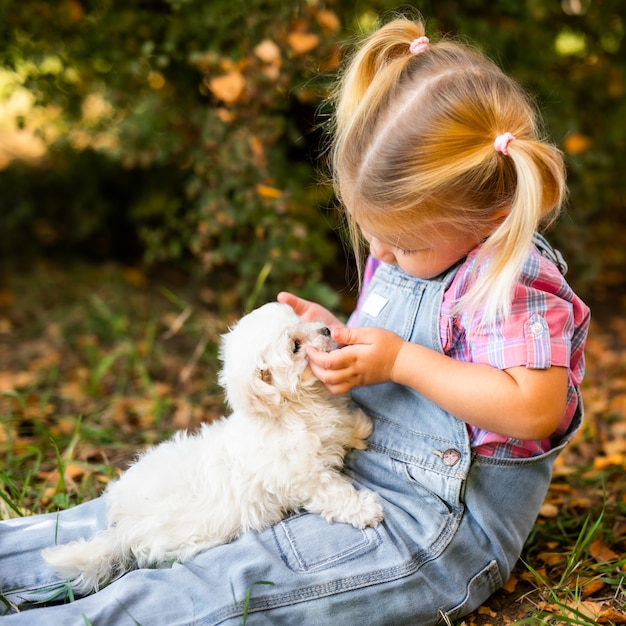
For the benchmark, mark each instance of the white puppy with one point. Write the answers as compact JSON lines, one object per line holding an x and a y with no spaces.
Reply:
{"x":280,"y":450}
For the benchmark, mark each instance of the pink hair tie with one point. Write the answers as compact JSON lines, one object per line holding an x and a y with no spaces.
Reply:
{"x":501,"y":143}
{"x":418,"y":45}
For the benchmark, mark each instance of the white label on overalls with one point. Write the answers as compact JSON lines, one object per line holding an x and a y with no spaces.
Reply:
{"x":374,"y":304}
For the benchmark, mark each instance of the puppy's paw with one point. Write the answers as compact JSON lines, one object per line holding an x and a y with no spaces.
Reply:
{"x":361,"y":430}
{"x":369,"y":511}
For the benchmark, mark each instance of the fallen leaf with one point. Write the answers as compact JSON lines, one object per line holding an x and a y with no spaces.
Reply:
{"x":328,"y":20}
{"x":135,"y":277}
{"x":561,"y":488}
{"x":228,"y":87}
{"x":611,"y":616}
{"x":71,"y":472}
{"x":72,"y":10}
{"x":225,"y":115}
{"x":6,"y":298}
{"x":268,"y":51}
{"x":12,"y":381}
{"x":485,"y":610}
{"x":258,"y":151}
{"x":268,"y":192}
{"x":601,"y":552}
{"x":575,"y":143}
{"x":548,"y":510}
{"x":510,"y":585}
{"x":588,"y":608}
{"x":580,"y":503}
{"x":301,"y":43}
{"x":551,"y":558}
{"x":592,"y":586}
{"x":602,"y":462}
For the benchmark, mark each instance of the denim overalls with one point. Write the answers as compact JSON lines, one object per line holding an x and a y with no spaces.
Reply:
{"x":454,"y":524}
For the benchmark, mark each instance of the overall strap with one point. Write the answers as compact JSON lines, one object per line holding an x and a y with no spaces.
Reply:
{"x":408,"y":427}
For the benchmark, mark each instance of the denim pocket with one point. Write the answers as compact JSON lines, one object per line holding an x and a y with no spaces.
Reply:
{"x":306,"y":545}
{"x":479,"y":588}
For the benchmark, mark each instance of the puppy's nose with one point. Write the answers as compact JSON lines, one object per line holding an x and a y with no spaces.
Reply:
{"x":324,"y":331}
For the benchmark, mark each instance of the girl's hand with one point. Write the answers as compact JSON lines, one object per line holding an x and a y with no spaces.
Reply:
{"x":368,"y":358}
{"x":309,"y":311}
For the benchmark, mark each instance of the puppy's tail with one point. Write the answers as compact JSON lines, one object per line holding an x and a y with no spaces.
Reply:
{"x":89,"y":565}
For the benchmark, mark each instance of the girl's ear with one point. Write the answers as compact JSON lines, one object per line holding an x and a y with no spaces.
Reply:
{"x":499,"y":216}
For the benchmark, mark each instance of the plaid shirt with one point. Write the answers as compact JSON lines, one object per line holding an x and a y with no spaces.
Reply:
{"x":547,"y":327}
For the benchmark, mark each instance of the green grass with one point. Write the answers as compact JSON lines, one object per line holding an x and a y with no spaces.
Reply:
{"x":96,"y":373}
{"x":105,"y":361}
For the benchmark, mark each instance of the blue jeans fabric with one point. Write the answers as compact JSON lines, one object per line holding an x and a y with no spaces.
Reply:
{"x":454,"y":526}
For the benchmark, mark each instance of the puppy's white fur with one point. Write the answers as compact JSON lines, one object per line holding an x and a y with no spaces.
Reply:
{"x":280,"y":450}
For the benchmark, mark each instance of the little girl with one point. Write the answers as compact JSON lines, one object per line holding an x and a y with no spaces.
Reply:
{"x":466,"y":348}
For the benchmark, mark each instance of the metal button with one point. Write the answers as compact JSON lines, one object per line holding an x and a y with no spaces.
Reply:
{"x":450,"y":457}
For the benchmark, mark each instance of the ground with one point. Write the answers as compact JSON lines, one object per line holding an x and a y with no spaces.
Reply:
{"x":97,"y":362}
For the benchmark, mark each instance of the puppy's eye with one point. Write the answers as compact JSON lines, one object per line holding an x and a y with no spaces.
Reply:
{"x":296,"y":346}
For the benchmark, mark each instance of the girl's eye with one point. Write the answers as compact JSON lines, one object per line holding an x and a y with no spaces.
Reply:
{"x":413,"y":251}
{"x":296,"y":346}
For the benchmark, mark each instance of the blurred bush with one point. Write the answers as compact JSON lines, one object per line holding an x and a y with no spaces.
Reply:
{"x":189,"y":130}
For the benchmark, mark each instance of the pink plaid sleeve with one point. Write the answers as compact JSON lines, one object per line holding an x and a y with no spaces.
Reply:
{"x":547,"y":327}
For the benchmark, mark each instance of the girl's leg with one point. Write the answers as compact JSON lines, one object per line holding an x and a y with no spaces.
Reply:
{"x":402,"y":572}
{"x":320,"y":573}
{"x":24,"y":576}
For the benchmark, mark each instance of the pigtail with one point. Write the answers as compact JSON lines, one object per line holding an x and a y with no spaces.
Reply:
{"x":383,"y":56}
{"x":414,"y":151}
{"x":368,"y":82}
{"x":539,"y":193}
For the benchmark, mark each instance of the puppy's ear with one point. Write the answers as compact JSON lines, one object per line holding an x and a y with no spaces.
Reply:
{"x":254,"y":394}
{"x":265,"y":375}
{"x":263,"y":395}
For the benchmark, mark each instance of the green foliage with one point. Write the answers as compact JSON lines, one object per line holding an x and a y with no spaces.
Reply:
{"x":190,"y":129}
{"x":203,"y":110}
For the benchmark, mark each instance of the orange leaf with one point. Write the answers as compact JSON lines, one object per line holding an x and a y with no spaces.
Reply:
{"x":593,"y":586}
{"x":328,"y":20}
{"x":134,"y":276}
{"x":74,"y":471}
{"x":548,"y":510}
{"x":601,"y":552}
{"x":73,"y":11}
{"x":575,"y":143}
{"x":6,"y":298}
{"x":11,"y":381}
{"x":228,"y":87}
{"x":257,"y":150}
{"x":225,"y":115}
{"x":510,"y":585}
{"x":268,"y":192}
{"x":268,"y":51}
{"x":602,"y":462}
{"x":611,"y":616}
{"x":485,"y":610}
{"x":301,"y":43}
{"x":550,"y":558}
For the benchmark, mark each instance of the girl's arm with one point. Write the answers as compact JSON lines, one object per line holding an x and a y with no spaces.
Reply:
{"x":517,"y":402}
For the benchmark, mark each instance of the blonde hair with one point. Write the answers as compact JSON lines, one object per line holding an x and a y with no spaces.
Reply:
{"x":413,"y":149}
